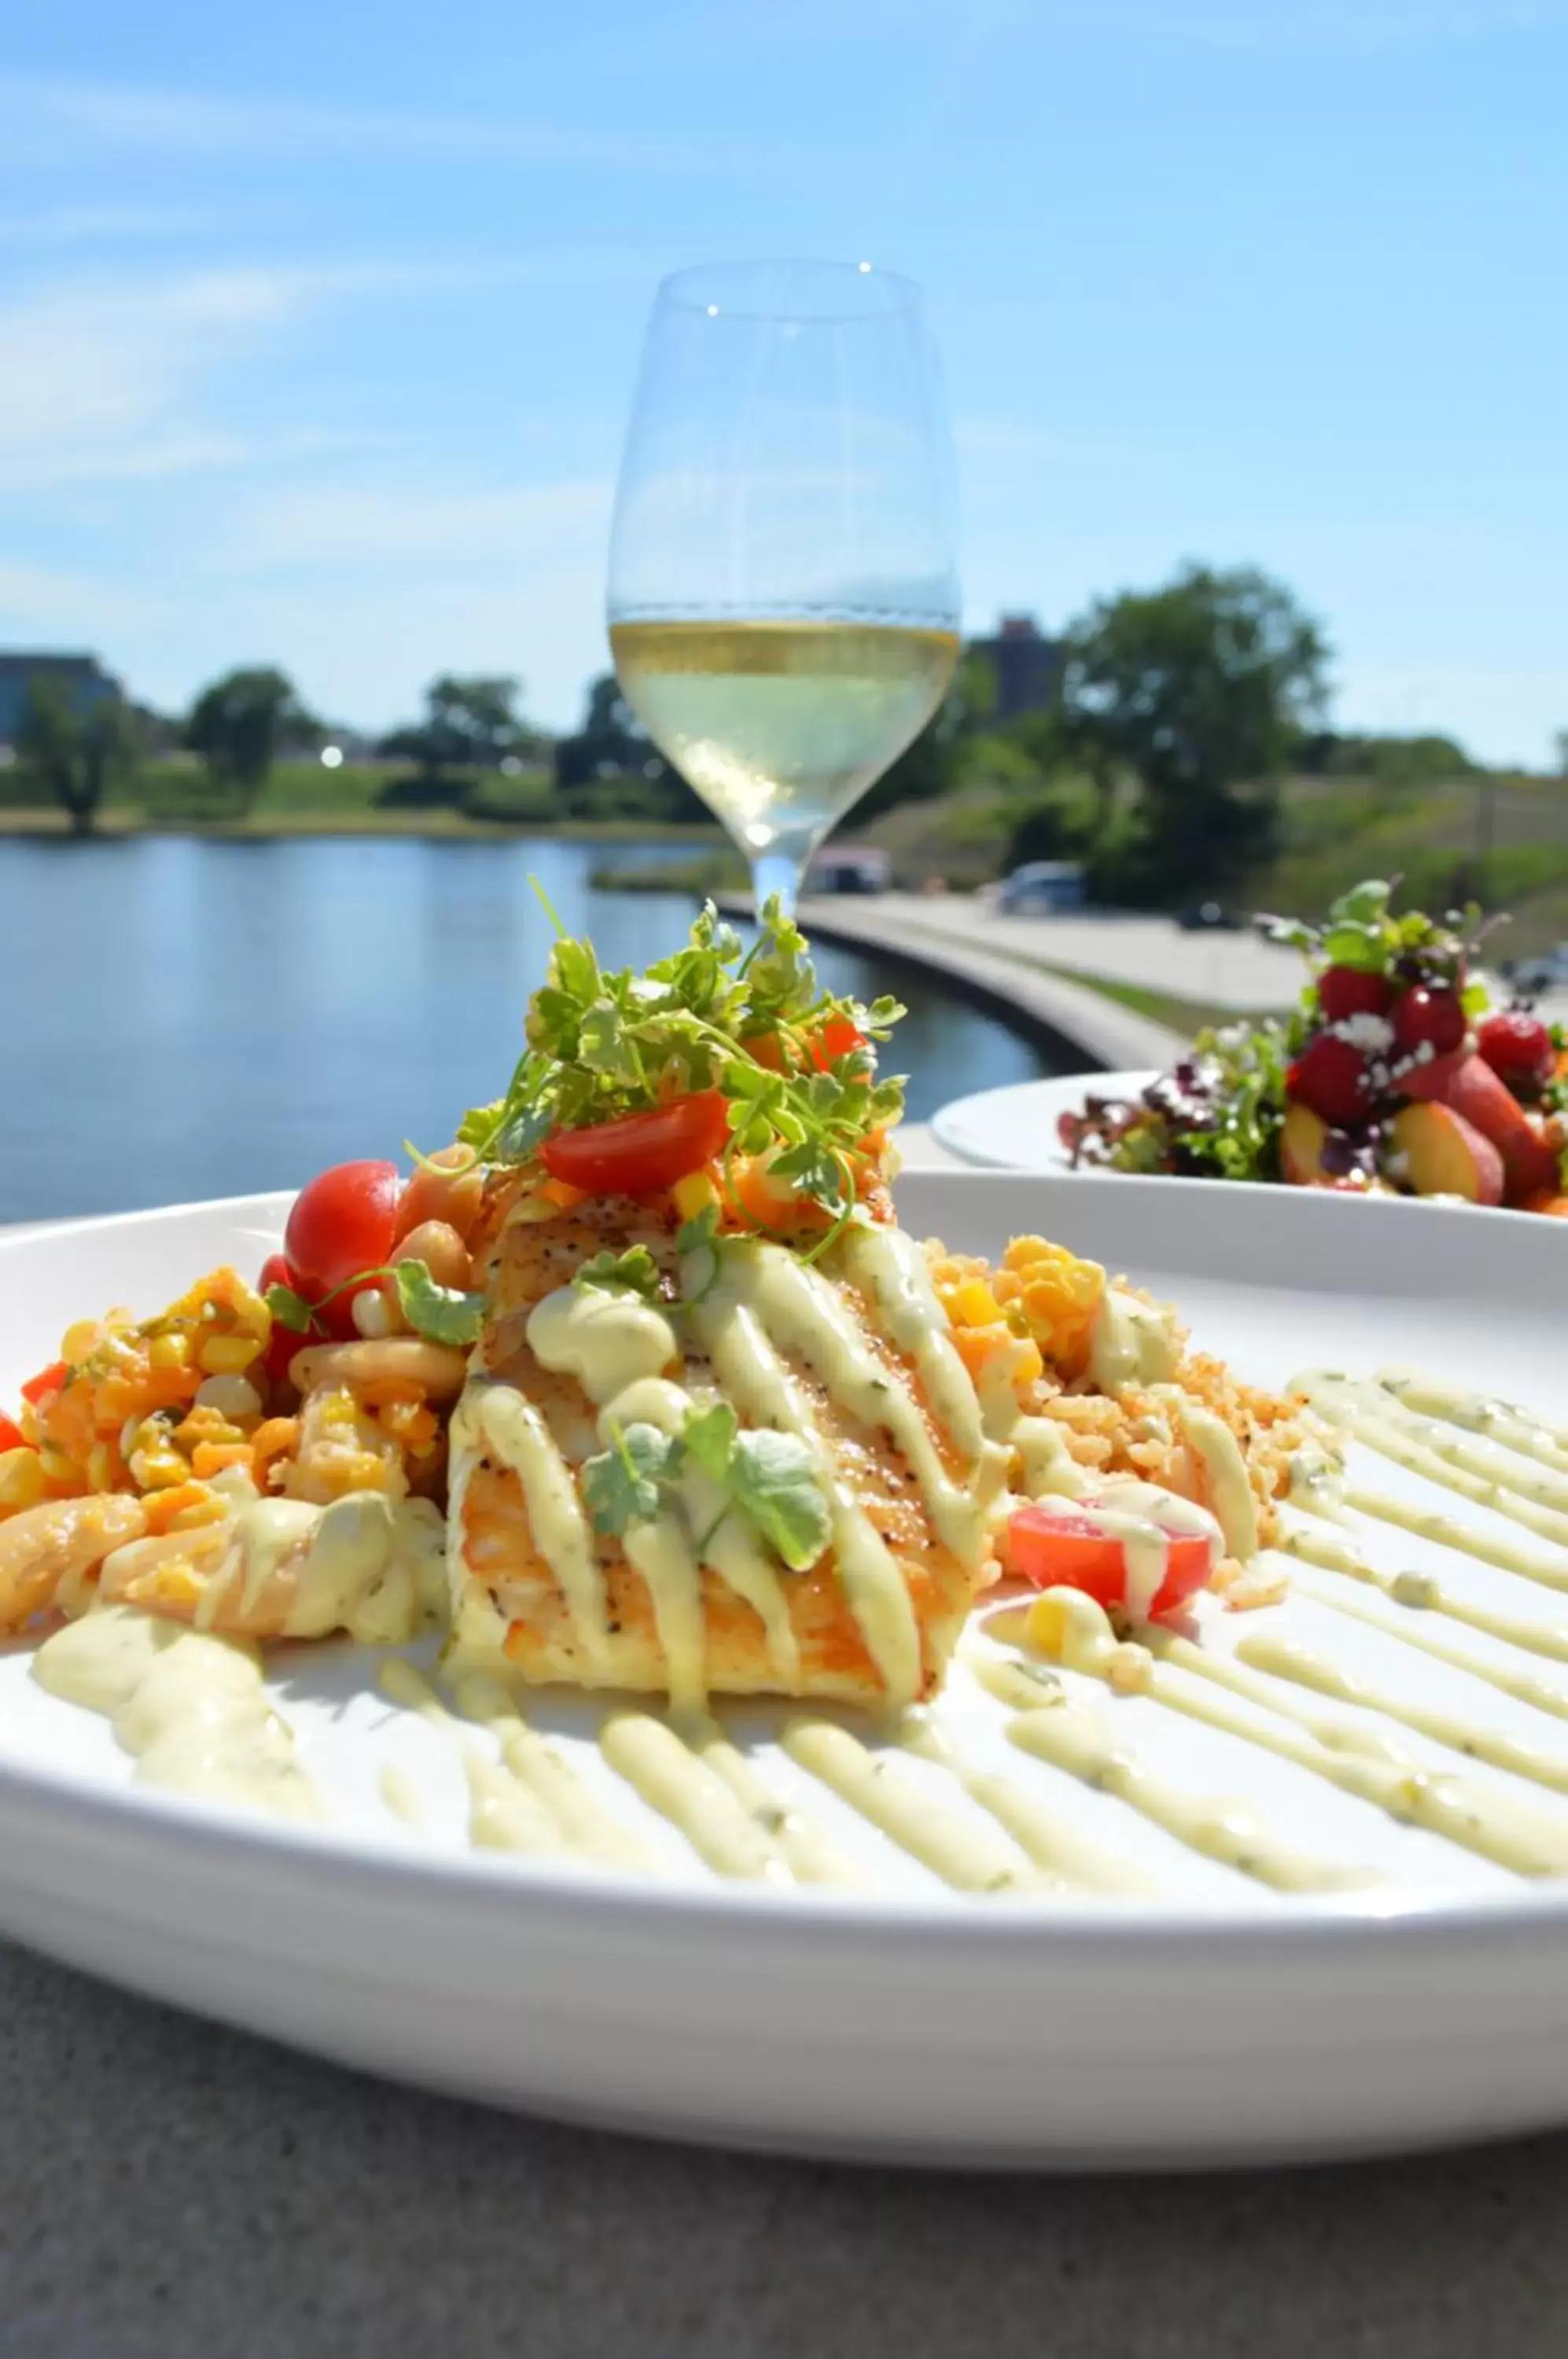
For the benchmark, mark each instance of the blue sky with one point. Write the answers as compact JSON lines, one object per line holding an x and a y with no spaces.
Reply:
{"x":317,"y":323}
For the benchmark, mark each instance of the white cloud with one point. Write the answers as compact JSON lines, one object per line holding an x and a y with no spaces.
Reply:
{"x":45,"y":114}
{"x":104,"y":380}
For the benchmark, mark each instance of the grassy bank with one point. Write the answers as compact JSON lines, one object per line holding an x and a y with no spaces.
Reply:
{"x":172,"y":797}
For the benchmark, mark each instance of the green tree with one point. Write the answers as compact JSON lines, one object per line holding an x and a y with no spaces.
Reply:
{"x":1200,"y":690}
{"x":75,"y":752}
{"x":613,"y":746}
{"x":931,"y":764}
{"x":242,"y":722}
{"x":471,"y":723}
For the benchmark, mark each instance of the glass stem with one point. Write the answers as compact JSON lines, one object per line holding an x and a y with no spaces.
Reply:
{"x":776,"y":872}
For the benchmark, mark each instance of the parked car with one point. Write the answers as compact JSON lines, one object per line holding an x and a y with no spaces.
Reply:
{"x":850,"y":869}
{"x":1042,"y":885}
{"x":1211,"y":917}
{"x":1547,"y":970}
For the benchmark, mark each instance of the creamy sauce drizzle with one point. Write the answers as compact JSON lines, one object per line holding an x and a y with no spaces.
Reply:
{"x":1131,"y":1342}
{"x":190,"y":1710}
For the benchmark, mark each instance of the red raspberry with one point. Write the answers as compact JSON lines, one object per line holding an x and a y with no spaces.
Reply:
{"x":1518,"y":1047}
{"x":1330,"y":1076}
{"x":1423,"y":1019}
{"x":1352,"y":991}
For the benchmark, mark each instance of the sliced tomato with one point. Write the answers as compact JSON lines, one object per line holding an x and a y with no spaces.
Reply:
{"x":11,"y":1436}
{"x":838,"y":1037}
{"x":1075,"y":1552}
{"x":638,"y":1154}
{"x":48,"y":1380}
{"x":343,"y":1221}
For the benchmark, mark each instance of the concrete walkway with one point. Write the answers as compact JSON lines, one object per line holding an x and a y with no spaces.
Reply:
{"x":1237,"y":970}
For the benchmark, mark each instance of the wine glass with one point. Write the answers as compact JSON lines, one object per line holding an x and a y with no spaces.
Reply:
{"x":783,"y":597}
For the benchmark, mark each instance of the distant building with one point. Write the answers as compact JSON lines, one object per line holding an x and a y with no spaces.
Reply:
{"x":84,"y":676}
{"x":1025,"y":663}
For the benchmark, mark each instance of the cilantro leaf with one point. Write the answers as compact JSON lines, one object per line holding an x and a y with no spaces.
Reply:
{"x":632,"y":1272}
{"x":523,"y":1130}
{"x":701,"y":1229}
{"x":442,"y":1314}
{"x":774,"y":1477}
{"x":621,"y":1485}
{"x":290,"y":1309}
{"x":709,"y":1435}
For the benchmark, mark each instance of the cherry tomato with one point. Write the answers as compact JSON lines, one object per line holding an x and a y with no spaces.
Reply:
{"x":344,"y":1221}
{"x":285,"y":1342}
{"x":638,"y":1154}
{"x":48,"y":1380}
{"x":1074,"y":1552}
{"x":837,"y":1039}
{"x":11,"y":1436}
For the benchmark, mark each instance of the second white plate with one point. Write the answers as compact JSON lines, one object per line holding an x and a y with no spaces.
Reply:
{"x":1014,"y":1130}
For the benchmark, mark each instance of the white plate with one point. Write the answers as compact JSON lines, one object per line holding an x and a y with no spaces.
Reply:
{"x":1014,"y":1130}
{"x":1221,"y":2023}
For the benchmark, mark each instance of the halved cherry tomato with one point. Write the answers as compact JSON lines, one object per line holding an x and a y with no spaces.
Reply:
{"x":11,"y":1436}
{"x":837,"y":1039}
{"x":637,"y":1154}
{"x":1074,"y":1552}
{"x":48,"y":1380}
{"x":344,"y":1221}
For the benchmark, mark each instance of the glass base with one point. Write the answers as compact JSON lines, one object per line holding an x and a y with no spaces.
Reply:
{"x":777,"y":873}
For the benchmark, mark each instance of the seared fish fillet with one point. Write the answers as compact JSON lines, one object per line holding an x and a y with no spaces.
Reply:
{"x":854,"y":1358}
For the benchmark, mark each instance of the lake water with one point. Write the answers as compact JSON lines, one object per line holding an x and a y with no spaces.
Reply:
{"x":187,"y":1019}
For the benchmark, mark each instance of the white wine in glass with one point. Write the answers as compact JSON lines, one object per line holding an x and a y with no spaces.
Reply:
{"x":783,"y":600}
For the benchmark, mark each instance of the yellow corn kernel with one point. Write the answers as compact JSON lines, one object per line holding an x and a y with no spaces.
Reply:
{"x":209,"y":1458}
{"x":694,"y":1194}
{"x":168,"y":1352}
{"x":22,"y":1479}
{"x":529,"y":1210}
{"x":973,"y":1304}
{"x":56,"y":1465}
{"x":78,"y":1340}
{"x":101,"y":1467}
{"x":228,"y":1355}
{"x":206,"y":1425}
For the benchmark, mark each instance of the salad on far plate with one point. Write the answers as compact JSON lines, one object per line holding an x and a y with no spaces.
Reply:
{"x":1397,"y":1072}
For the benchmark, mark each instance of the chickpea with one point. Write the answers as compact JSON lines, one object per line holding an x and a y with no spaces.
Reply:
{"x":451,"y":1193}
{"x":439,"y":1247}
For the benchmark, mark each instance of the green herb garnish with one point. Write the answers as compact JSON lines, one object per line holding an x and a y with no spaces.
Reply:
{"x":632,"y":1272}
{"x":602,"y":1044}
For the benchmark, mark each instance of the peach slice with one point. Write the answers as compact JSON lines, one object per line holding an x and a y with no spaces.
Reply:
{"x":1446,"y":1156}
{"x":1431,"y":1080}
{"x":1475,"y":1093}
{"x":1301,"y":1147}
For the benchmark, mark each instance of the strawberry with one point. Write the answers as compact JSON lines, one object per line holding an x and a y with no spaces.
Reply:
{"x":1352,"y":990}
{"x":1518,"y":1047}
{"x":1427,"y":1018}
{"x":1330,"y":1076}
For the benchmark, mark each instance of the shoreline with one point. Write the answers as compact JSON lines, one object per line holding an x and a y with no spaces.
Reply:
{"x":438,"y":826}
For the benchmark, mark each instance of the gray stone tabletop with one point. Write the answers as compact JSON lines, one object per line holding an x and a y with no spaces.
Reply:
{"x":169,"y":2186}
